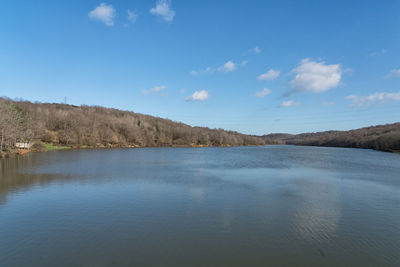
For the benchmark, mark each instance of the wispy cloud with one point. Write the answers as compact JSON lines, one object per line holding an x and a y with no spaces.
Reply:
{"x":198,"y":96}
{"x":395,"y":73}
{"x":104,"y":13}
{"x":378,"y":53}
{"x":380,"y":97}
{"x":316,"y":77}
{"x":163,"y":10}
{"x":289,"y":103}
{"x":155,"y":90}
{"x":269,"y":75}
{"x":131,"y":16}
{"x":229,"y":66}
{"x":206,"y":70}
{"x":263,"y":93}
{"x":257,"y":50}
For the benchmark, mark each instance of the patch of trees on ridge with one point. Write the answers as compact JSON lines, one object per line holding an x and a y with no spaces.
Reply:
{"x":94,"y":126}
{"x":381,"y":137}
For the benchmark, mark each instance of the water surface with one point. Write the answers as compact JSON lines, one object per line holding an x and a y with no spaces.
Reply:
{"x":243,"y":206}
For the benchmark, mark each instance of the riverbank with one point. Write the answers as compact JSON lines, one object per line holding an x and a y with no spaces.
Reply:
{"x":47,"y":147}
{"x":36,"y":147}
{"x":51,"y":147}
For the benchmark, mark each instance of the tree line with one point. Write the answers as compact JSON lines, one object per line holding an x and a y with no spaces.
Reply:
{"x":94,"y":126}
{"x":382,"y":137}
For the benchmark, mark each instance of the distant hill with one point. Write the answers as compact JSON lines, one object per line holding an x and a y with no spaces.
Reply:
{"x":382,"y":137}
{"x":94,"y":126}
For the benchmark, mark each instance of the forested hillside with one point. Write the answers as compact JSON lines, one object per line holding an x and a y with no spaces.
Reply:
{"x":93,"y":126}
{"x":382,"y":137}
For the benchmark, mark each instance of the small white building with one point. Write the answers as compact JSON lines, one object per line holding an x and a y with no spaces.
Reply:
{"x":23,"y":145}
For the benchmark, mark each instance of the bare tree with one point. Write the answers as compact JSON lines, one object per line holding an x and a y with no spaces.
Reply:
{"x":14,"y":125}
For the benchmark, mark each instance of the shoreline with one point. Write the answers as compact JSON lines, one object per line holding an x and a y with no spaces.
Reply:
{"x":23,"y":152}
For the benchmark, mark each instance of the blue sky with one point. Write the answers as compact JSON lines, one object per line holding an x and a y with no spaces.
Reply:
{"x":252,"y":66}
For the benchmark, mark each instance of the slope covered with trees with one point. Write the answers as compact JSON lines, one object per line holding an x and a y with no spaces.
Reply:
{"x":381,"y":137}
{"x":93,"y":126}
{"x":14,"y":124}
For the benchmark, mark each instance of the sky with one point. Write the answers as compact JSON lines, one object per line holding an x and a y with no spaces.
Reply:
{"x":255,"y":67}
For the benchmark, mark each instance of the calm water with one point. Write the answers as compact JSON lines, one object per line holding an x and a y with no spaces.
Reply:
{"x":245,"y":206}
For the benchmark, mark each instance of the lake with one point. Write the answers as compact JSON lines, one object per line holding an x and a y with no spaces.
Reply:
{"x":241,"y":206}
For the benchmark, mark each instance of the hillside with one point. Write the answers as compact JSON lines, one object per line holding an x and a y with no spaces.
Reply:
{"x":97,"y":127}
{"x":93,"y":126}
{"x":382,"y":137}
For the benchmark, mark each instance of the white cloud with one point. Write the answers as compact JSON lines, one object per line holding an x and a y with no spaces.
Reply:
{"x":227,"y":67}
{"x":155,"y":90}
{"x":104,"y":13}
{"x":198,"y":96}
{"x":132,"y":16}
{"x":158,"y":89}
{"x":269,"y":75}
{"x":289,"y":103}
{"x":393,"y":73}
{"x":163,"y":10}
{"x":264,"y":92}
{"x":316,"y":76}
{"x":257,"y":50}
{"x":206,"y":70}
{"x":377,"y":53}
{"x":364,"y":101}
